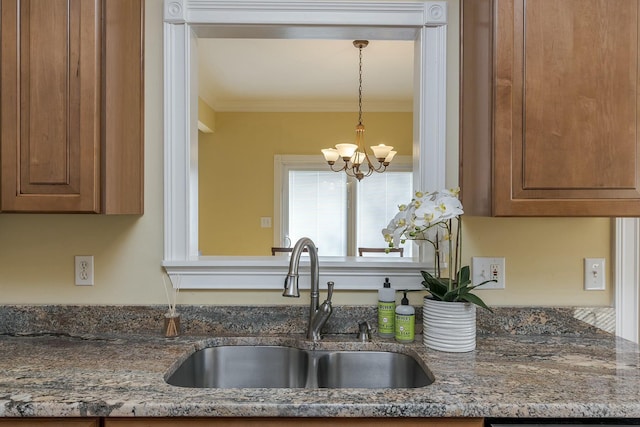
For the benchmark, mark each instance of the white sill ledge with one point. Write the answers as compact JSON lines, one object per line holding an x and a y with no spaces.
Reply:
{"x":268,"y":272}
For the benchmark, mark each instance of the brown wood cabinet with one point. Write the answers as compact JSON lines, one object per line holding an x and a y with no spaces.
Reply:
{"x":549,"y":107}
{"x":71,"y":106}
{"x":320,"y":422}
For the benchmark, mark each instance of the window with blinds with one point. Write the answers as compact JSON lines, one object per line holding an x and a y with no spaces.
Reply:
{"x":340,"y":214}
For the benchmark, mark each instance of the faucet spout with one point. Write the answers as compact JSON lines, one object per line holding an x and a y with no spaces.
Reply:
{"x":291,"y":286}
{"x":291,"y":281}
{"x":317,"y":317}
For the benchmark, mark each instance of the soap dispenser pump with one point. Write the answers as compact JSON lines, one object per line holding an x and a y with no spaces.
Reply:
{"x":405,"y":321}
{"x":386,"y":310}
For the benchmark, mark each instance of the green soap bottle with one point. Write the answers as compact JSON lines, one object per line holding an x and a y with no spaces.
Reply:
{"x":405,"y":321}
{"x":386,"y":310}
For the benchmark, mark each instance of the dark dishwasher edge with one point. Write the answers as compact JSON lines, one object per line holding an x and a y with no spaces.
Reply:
{"x":549,"y":422}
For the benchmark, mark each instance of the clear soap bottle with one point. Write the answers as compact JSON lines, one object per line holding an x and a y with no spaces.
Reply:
{"x":386,"y":310}
{"x":405,"y":321}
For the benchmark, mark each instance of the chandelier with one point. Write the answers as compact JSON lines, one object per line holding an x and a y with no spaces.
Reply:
{"x":356,"y":161}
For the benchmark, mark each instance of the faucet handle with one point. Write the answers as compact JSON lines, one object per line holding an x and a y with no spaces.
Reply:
{"x":364,"y":333}
{"x":330,"y":290}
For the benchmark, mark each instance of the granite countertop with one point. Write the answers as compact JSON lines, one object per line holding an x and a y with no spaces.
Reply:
{"x":53,"y":374}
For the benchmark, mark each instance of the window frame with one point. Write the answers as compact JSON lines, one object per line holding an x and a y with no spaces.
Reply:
{"x":424,"y":22}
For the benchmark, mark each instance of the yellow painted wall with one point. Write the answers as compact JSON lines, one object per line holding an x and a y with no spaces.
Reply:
{"x":544,"y":256}
{"x":243,"y":147}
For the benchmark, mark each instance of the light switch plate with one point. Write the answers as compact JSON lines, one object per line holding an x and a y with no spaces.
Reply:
{"x":594,"y":274}
{"x":265,"y":221}
{"x":486,"y":268}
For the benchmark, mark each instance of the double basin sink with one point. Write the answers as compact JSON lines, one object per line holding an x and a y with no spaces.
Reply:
{"x":273,"y":366}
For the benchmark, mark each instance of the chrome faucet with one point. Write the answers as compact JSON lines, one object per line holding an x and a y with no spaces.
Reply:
{"x":318,"y":314}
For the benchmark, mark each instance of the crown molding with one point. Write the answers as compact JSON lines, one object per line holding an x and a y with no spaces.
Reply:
{"x":305,"y":12}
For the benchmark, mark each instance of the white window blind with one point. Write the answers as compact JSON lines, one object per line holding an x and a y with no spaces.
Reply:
{"x":378,"y":198}
{"x":336,"y":212}
{"x":318,"y":210}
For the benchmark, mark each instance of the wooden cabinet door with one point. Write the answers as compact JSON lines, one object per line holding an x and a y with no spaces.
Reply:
{"x":50,"y":89}
{"x":555,"y":103}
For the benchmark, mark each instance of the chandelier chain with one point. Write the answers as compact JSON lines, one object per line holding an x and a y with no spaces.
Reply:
{"x":360,"y":86}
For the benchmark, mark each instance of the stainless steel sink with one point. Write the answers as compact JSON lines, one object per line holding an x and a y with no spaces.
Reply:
{"x":243,"y":367}
{"x":285,"y":367}
{"x":370,"y":369}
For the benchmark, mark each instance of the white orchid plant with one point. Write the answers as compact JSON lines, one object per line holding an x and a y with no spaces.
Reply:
{"x":430,"y":217}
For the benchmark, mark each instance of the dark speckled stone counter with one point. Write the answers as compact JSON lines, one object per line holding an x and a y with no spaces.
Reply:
{"x":51,"y":373}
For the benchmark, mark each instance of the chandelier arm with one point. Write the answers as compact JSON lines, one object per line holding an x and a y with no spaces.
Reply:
{"x":343,"y":168}
{"x":380,"y":168}
{"x":350,"y":172}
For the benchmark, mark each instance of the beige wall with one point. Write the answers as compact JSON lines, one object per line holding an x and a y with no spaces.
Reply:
{"x":543,"y":256}
{"x":249,"y":196}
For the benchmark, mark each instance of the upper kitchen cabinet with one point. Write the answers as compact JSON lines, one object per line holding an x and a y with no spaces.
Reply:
{"x":71,"y":106}
{"x":549,"y":107}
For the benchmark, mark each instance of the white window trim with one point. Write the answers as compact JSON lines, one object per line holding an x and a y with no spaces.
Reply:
{"x":423,"y":21}
{"x":627,"y":278}
{"x":283,"y":163}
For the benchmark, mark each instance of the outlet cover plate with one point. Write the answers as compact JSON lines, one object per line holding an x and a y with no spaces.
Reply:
{"x":486,"y":268}
{"x":84,"y":270}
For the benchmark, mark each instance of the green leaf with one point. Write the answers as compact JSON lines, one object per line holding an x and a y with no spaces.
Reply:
{"x":450,"y":297}
{"x":464,"y":275}
{"x":429,"y":278}
{"x":483,"y":283}
{"x":434,"y":285}
{"x":454,"y":293}
{"x":474,"y":299}
{"x":438,"y":288}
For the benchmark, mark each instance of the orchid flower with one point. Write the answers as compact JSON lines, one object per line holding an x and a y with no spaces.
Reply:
{"x":428,"y":218}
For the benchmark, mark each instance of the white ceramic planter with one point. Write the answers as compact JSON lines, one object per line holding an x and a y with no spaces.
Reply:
{"x":449,"y":326}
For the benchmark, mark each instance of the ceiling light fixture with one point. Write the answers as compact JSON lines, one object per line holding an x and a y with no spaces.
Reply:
{"x":356,"y":160}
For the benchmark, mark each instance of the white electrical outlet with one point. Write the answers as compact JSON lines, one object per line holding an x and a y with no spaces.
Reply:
{"x":84,"y":270}
{"x":594,"y":278}
{"x":485,"y":268}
